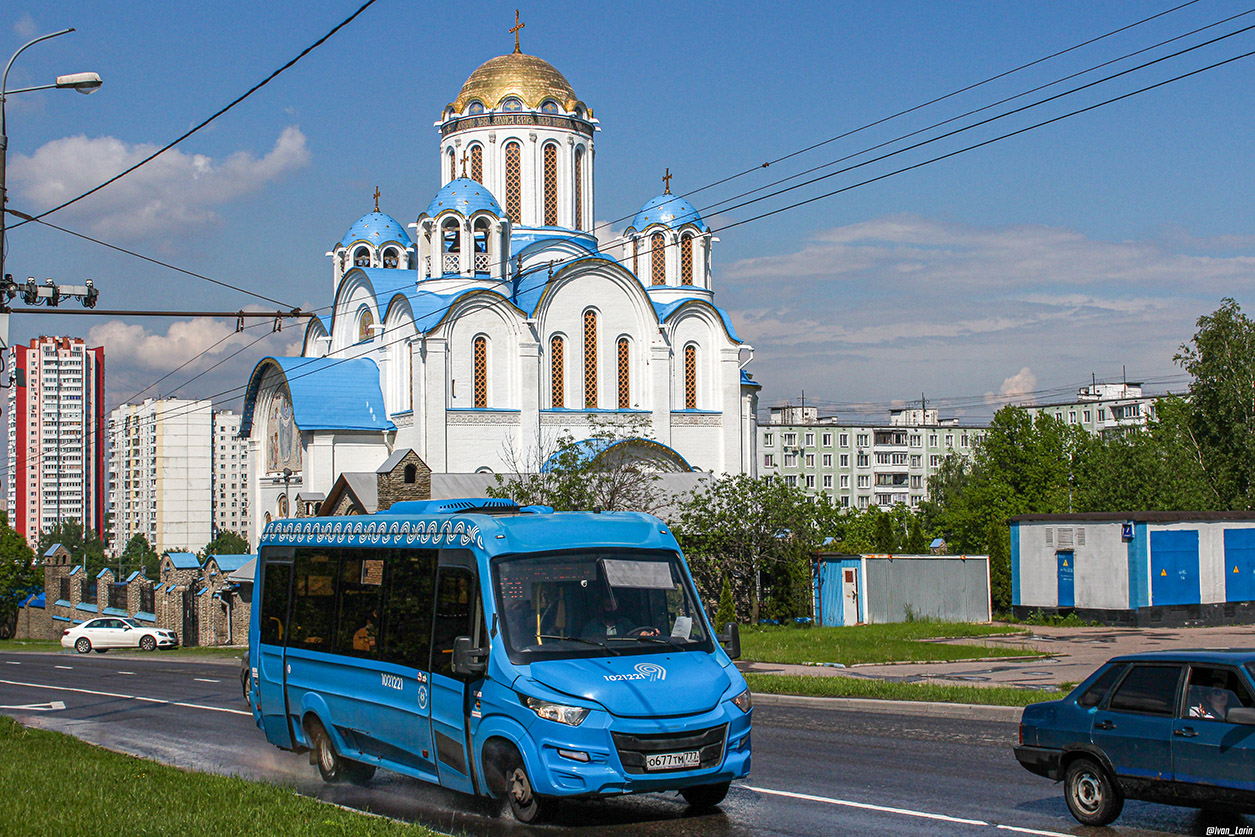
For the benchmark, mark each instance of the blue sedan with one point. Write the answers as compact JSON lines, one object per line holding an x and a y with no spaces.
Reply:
{"x":1174,"y":727}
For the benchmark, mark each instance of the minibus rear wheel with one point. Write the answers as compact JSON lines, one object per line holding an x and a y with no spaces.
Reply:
{"x":705,"y":796}
{"x":526,"y":805}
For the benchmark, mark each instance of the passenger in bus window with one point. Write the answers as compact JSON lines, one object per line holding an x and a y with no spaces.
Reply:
{"x":610,"y":622}
{"x":364,"y":637}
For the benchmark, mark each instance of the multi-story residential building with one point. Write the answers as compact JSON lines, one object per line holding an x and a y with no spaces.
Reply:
{"x":1103,"y":408}
{"x":161,"y":473}
{"x":56,"y":468}
{"x":861,"y":465}
{"x":230,"y":483}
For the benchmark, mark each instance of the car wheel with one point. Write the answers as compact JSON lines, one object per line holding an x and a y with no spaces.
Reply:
{"x":82,"y":645}
{"x":147,"y":643}
{"x":526,"y":805}
{"x":100,"y":650}
{"x":1092,"y":797}
{"x":705,"y":796}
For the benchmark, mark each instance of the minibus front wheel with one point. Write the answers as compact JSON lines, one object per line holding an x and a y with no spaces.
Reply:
{"x":331,"y":765}
{"x":705,"y":796}
{"x":526,"y":805}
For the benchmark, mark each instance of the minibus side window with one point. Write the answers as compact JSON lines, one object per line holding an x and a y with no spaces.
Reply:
{"x":455,"y":612}
{"x":274,"y":603}
{"x":314,"y":600}
{"x":409,"y":579}
{"x":361,"y":594}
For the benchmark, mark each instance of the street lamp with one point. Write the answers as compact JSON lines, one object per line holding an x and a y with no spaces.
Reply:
{"x":84,"y":83}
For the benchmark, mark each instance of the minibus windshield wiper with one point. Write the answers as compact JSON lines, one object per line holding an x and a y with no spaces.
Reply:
{"x":643,"y":638}
{"x":578,"y":639}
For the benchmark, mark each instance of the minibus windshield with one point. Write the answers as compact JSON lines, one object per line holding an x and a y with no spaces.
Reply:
{"x":596,"y":603}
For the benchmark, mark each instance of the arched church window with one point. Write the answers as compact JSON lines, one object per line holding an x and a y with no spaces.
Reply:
{"x":551,"y":185}
{"x":475,"y":109}
{"x":511,"y":105}
{"x":481,"y":371}
{"x":690,"y":377}
{"x":453,"y":164}
{"x":557,"y":366}
{"x":477,"y":163}
{"x":590,"y":360}
{"x":636,"y":249}
{"x":686,"y":260}
{"x":657,"y":260}
{"x":363,"y":325}
{"x":625,"y":382}
{"x":480,"y":231}
{"x":361,"y":257}
{"x":513,"y":192}
{"x":452,"y":234}
{"x":390,"y":257}
{"x":579,"y":188}
{"x":549,"y":106}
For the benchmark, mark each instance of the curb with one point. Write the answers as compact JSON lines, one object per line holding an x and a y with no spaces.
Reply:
{"x":958,"y":711}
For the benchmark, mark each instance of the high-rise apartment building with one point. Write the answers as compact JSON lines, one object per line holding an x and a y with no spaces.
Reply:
{"x":161,"y":473}
{"x":56,"y":465}
{"x":230,"y":485}
{"x":861,"y":465}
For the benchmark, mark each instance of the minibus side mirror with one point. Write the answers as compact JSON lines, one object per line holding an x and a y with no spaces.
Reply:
{"x":730,"y":639}
{"x":467,"y":659}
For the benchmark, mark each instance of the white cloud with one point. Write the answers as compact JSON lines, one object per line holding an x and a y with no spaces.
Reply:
{"x":174,"y":191}
{"x":25,"y":26}
{"x":1018,"y":389}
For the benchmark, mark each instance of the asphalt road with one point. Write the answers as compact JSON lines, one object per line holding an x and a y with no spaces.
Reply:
{"x":816,"y":771}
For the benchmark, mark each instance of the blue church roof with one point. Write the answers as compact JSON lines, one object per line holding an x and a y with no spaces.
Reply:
{"x":376,"y":227}
{"x":464,"y":195}
{"x":670,"y":210}
{"x":184,"y":561}
{"x":231,"y":563}
{"x":665,"y":311}
{"x":327,"y":393}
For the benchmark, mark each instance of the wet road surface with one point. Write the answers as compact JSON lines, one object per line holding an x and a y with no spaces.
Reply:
{"x":815,"y":771}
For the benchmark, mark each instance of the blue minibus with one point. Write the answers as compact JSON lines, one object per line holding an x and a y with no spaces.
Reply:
{"x":517,"y":653}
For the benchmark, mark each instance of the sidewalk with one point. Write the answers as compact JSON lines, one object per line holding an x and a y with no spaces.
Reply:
{"x":1072,"y":654}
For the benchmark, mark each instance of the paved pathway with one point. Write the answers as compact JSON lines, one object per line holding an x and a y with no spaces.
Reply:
{"x":1071,"y":654}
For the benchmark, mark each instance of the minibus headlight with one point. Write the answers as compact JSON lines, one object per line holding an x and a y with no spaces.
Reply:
{"x":743,"y":701}
{"x":572,"y":715}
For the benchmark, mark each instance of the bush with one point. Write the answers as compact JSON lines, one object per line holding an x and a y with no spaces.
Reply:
{"x":726,"y":611}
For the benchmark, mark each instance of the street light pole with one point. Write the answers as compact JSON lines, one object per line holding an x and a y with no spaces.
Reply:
{"x":82,"y":82}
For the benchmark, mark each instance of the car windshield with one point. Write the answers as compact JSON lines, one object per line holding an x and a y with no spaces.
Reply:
{"x":597,"y":603}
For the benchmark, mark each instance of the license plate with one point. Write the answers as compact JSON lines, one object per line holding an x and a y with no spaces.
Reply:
{"x":672,"y":761}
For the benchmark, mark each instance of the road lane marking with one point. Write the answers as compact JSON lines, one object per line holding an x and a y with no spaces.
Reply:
{"x":67,"y":668}
{"x":12,"y":663}
{"x":127,"y":672}
{"x":128,"y":697}
{"x":906,"y":812}
{"x":204,"y":680}
{"x":39,"y":707}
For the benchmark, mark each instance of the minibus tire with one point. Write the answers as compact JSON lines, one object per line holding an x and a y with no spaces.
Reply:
{"x":331,"y":765}
{"x":705,"y":796}
{"x":526,"y":805}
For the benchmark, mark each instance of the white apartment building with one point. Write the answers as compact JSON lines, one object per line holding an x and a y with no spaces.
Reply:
{"x":860,"y":465}
{"x":161,"y":473}
{"x":56,"y":467}
{"x":1103,"y":407}
{"x":230,"y":480}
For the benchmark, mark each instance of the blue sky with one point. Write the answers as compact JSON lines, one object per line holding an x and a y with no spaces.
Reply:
{"x":1088,"y":247}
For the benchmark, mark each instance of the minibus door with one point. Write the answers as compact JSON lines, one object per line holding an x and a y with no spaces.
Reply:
{"x":458,"y":612}
{"x":272,"y":690}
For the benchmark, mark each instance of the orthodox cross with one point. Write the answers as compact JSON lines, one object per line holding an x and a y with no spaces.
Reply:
{"x":666,"y":178}
{"x":376,"y":198}
{"x":463,"y":165}
{"x":515,"y":29}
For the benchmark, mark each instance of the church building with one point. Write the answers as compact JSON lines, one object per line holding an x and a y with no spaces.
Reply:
{"x":496,"y":322}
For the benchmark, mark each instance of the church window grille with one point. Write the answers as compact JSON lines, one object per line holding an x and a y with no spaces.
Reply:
{"x":657,"y":260}
{"x":390,"y":258}
{"x":636,"y":249}
{"x":551,"y":185}
{"x":361,"y":257}
{"x":453,"y":165}
{"x":686,"y":260}
{"x":477,"y":163}
{"x":690,"y":377}
{"x":556,"y":373}
{"x":364,"y":324}
{"x":579,"y":189}
{"x":625,"y":383}
{"x":513,"y":178}
{"x":481,"y":372}
{"x":590,"y":360}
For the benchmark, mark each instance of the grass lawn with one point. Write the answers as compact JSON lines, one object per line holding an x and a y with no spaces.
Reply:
{"x":899,"y":642}
{"x":56,"y":784}
{"x":854,"y":687}
{"x":177,"y":653}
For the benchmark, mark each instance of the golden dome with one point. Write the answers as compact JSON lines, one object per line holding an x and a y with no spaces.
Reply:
{"x":529,"y":78}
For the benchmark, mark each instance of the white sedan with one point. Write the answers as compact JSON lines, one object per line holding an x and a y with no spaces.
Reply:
{"x":100,"y":635}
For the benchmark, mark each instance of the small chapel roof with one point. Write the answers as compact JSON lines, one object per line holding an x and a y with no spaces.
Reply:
{"x":665,"y":310}
{"x":327,"y":393}
{"x":464,"y":195}
{"x":669,"y":210}
{"x":376,"y":228}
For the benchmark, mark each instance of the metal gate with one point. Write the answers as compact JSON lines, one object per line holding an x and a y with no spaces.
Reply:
{"x":190,"y":634}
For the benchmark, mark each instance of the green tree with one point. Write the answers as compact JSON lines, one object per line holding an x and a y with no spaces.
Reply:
{"x":138,"y":555}
{"x":916,"y":541}
{"x":19,"y":575}
{"x":727,"y":608}
{"x":886,"y":540}
{"x":1221,"y":363}
{"x":85,"y":546}
{"x":227,"y":543}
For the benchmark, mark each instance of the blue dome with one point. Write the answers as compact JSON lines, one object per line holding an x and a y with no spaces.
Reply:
{"x":376,"y":228}
{"x":464,"y":195}
{"x":670,"y":210}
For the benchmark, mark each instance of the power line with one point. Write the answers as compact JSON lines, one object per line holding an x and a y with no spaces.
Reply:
{"x":214,"y":116}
